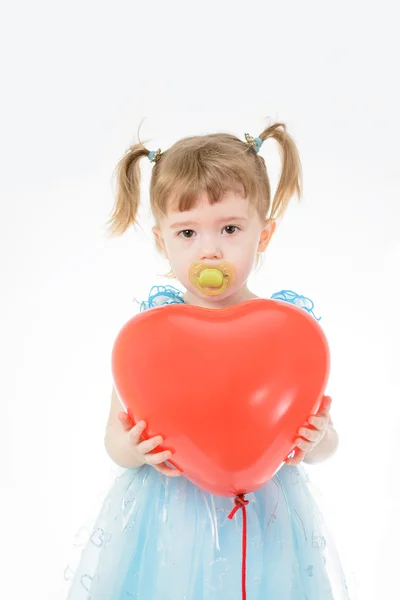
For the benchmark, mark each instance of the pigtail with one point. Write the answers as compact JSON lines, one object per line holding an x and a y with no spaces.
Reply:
{"x":127,"y":200}
{"x":291,"y":180}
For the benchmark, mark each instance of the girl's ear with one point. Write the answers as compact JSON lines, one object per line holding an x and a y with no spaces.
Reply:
{"x":159,"y":240}
{"x":266,"y":234}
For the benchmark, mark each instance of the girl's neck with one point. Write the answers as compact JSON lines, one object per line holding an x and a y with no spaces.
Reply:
{"x":240,"y":296}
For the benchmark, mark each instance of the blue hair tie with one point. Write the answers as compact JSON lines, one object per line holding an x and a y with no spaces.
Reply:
{"x":154,"y":155}
{"x":258,"y":144}
{"x":254,"y":143}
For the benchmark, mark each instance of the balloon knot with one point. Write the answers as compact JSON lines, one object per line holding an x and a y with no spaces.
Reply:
{"x":240,"y":502}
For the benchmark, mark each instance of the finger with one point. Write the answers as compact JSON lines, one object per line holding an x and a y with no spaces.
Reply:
{"x":309,"y":434}
{"x":125,"y":419}
{"x":319,"y":422}
{"x":296,"y":459}
{"x":165,"y":470}
{"x":158,"y":458}
{"x":136,"y":432}
{"x":149,"y":445}
{"x":292,"y":455}
{"x":325,"y":406}
{"x":303,"y":445}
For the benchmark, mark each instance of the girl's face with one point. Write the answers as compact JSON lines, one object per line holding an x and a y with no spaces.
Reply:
{"x":228,"y":231}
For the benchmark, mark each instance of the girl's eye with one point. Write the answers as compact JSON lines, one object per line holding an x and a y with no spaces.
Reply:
{"x":186,"y":233}
{"x":231,"y":227}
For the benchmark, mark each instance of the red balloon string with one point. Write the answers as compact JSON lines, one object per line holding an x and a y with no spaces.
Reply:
{"x":241,"y":502}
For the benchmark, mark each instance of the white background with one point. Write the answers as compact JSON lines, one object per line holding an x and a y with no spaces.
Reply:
{"x":78,"y":77}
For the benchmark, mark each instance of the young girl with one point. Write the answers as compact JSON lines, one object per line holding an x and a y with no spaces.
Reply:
{"x":158,"y":536}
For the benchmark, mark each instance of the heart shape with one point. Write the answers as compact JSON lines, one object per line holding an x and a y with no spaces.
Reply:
{"x":227,"y":388}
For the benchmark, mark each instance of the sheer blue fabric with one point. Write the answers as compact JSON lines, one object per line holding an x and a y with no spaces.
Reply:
{"x":164,"y":538}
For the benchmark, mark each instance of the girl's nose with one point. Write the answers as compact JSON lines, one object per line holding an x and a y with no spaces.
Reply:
{"x":209,"y":246}
{"x":210,"y":253}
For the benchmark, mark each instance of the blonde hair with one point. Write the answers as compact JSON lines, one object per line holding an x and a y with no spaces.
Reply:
{"x":213,"y":163}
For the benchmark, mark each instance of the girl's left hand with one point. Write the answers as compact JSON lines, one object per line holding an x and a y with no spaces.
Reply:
{"x":312,"y":437}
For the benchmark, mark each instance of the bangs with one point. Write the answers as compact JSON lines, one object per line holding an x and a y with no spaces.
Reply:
{"x":187,"y":194}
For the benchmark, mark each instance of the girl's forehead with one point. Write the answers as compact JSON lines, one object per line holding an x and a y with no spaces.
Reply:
{"x":230,"y":205}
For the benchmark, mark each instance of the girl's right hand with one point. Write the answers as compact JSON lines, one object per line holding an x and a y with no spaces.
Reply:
{"x":141,"y":450}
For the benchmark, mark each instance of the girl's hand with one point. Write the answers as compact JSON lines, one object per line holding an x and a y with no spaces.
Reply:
{"x":141,"y":450}
{"x":312,"y":437}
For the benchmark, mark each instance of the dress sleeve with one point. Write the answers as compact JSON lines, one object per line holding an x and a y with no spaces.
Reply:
{"x":161,"y":295}
{"x":297,"y":300}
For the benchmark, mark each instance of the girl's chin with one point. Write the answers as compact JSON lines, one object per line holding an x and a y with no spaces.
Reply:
{"x":215,"y":298}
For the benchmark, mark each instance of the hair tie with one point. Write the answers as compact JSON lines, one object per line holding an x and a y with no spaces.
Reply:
{"x":154,"y":156}
{"x":255,"y":143}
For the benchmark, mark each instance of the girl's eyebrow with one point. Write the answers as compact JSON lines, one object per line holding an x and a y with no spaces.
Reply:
{"x":187,"y":223}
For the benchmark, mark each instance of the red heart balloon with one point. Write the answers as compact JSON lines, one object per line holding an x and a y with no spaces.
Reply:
{"x":227,"y":388}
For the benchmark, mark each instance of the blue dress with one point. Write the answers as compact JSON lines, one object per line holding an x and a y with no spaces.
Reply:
{"x":160,"y":538}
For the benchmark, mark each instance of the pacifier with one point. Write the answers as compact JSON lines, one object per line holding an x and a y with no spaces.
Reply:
{"x":211,"y":280}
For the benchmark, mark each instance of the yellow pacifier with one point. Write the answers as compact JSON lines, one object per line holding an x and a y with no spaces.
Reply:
{"x":211,"y":280}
